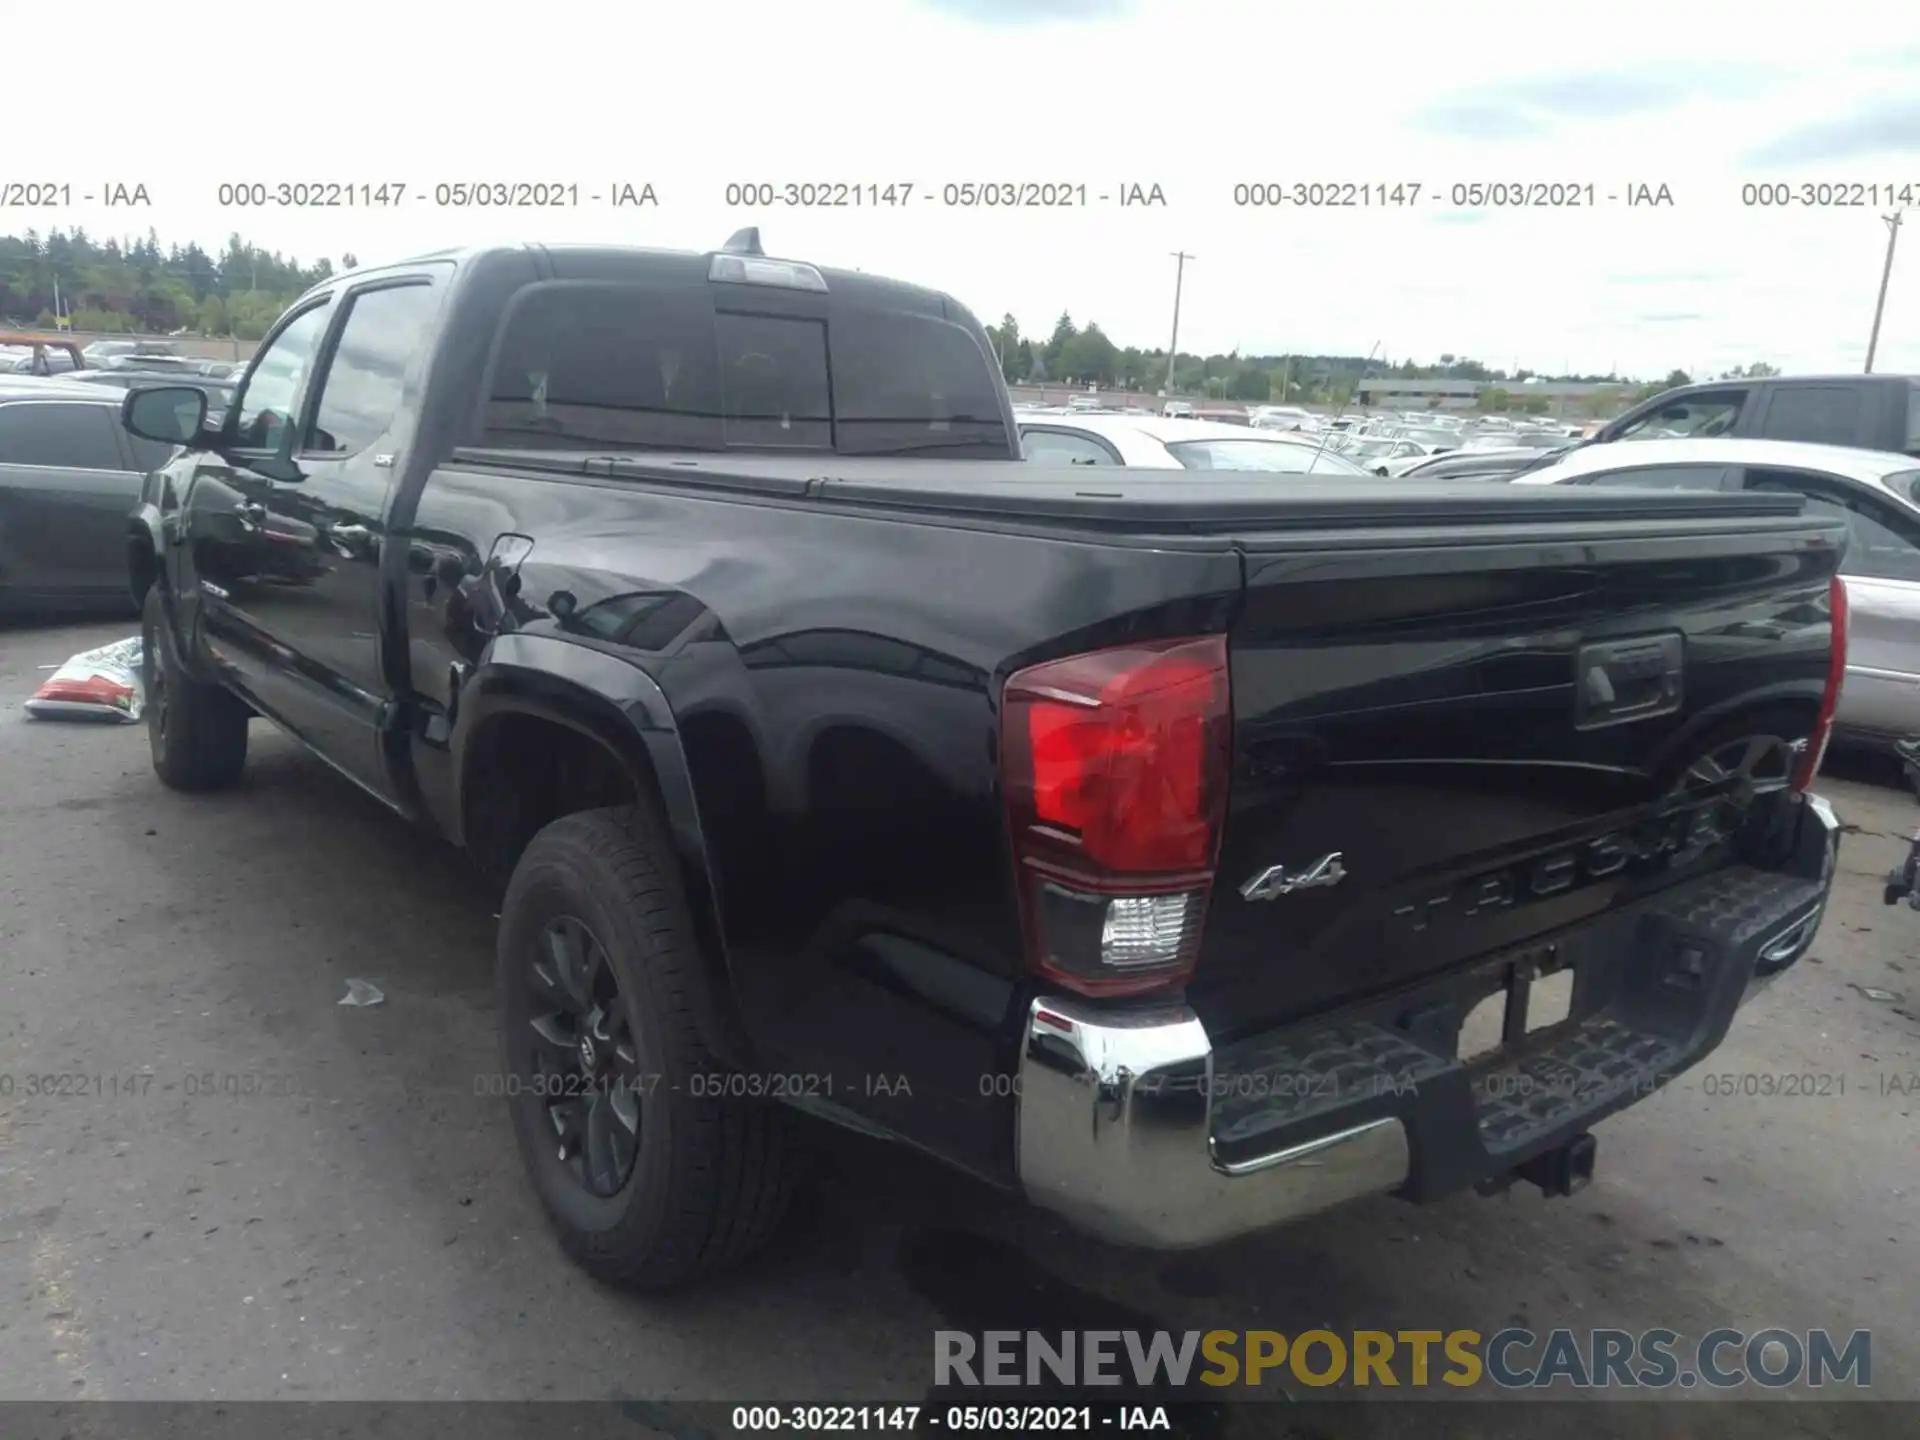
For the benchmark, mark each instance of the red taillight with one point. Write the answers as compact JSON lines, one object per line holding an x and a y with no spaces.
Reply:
{"x":1114,"y":766}
{"x":1816,"y":750}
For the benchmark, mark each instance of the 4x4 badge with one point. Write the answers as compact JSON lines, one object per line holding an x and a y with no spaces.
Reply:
{"x":1277,"y":880}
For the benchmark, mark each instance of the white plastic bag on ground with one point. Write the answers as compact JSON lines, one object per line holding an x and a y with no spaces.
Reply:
{"x":101,"y":684}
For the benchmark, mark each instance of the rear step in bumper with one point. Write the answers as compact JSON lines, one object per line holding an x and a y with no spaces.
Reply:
{"x":1136,"y":1128}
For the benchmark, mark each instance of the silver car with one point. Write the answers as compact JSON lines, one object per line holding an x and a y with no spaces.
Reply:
{"x":1876,"y":493}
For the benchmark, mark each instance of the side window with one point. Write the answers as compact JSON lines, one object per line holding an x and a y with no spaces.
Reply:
{"x":1880,"y":551}
{"x":270,"y":400}
{"x":1057,"y":447}
{"x":1663,"y":477}
{"x":1882,"y":544}
{"x":1695,"y":416}
{"x":1817,"y":414}
{"x":66,"y":437}
{"x":360,"y":390}
{"x":605,"y":365}
{"x":1913,"y":417}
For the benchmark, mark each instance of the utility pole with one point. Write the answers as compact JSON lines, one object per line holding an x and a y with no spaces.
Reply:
{"x":1886,"y":274}
{"x":1173,"y":347}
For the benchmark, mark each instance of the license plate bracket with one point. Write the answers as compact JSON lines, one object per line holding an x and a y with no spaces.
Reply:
{"x":1534,"y":993}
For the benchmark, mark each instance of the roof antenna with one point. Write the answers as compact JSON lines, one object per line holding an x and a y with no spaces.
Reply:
{"x":1352,"y":390}
{"x":744,"y":242}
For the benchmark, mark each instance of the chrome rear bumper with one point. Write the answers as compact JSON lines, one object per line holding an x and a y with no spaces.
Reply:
{"x":1122,"y":1131}
{"x":1115,"y":1116}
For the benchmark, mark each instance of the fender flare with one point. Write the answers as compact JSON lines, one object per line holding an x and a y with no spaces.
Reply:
{"x":145,"y":532}
{"x":622,"y":708}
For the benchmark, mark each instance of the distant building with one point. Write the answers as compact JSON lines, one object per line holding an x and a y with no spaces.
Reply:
{"x":1389,"y":393}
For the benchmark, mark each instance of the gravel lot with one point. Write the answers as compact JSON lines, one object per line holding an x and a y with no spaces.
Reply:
{"x":310,"y":1201}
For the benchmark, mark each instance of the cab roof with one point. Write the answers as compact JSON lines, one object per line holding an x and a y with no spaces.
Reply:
{"x":579,"y":261}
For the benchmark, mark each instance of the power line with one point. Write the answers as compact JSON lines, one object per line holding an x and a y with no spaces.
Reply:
{"x":1886,"y":273}
{"x":1173,"y":346}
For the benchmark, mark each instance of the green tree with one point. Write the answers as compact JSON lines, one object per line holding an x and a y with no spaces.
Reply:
{"x":118,"y":286}
{"x":1253,"y":385}
{"x":213,"y":316}
{"x":1496,"y":400}
{"x":1063,"y":332}
{"x":1087,"y":356}
{"x":1677,"y":378}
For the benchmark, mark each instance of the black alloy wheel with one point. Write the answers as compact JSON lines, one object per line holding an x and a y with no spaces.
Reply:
{"x":581,"y":1055}
{"x":1743,"y":769}
{"x":650,"y":1169}
{"x":158,"y":697}
{"x":197,"y":733}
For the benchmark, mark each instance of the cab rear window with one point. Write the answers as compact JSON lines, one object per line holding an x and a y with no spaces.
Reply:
{"x":635,"y":367}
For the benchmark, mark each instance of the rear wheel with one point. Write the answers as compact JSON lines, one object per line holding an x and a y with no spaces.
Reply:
{"x":653,"y":1167}
{"x":197,"y":733}
{"x":1734,"y":770}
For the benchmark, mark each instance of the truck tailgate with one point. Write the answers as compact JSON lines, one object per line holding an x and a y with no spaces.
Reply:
{"x":1452,"y":739}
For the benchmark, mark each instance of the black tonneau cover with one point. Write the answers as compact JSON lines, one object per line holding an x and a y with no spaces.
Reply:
{"x":1150,"y":501}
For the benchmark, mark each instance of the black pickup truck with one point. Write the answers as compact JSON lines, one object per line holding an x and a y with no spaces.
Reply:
{"x":1143,"y":843}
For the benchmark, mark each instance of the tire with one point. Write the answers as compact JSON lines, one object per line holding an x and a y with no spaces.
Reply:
{"x":196,"y":732}
{"x":699,"y":1179}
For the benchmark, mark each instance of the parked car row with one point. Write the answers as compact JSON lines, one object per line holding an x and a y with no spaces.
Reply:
{"x":1154,"y":442}
{"x":219,"y":391}
{"x":29,"y":353}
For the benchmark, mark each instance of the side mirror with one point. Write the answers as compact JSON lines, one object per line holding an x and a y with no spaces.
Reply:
{"x":170,"y":414}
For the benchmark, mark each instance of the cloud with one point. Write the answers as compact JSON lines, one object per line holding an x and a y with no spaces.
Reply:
{"x":1670,"y":317}
{"x":1890,"y":127}
{"x":1523,"y":109}
{"x":1032,"y":12}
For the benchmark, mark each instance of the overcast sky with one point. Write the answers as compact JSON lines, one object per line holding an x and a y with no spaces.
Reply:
{"x":1194,"y":96}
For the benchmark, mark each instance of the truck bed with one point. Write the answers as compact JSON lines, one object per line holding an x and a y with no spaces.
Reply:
{"x":1159,"y":502}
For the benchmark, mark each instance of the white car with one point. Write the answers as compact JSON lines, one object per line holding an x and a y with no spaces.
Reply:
{"x":1283,"y":417}
{"x":1877,"y":494}
{"x":1156,"y":442}
{"x":1382,"y":455}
